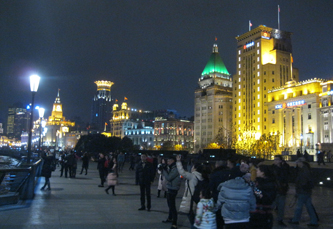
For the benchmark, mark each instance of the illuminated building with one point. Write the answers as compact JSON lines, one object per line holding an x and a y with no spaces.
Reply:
{"x":264,"y":62}
{"x":213,"y":102}
{"x":141,"y":135}
{"x":326,"y":117}
{"x":1,"y":129}
{"x":57,"y":127}
{"x":293,"y":112}
{"x":17,"y":121}
{"x":124,"y":118}
{"x":173,"y":132}
{"x":101,"y":111}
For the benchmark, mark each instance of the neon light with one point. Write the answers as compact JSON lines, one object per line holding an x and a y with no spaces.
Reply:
{"x":279,"y":106}
{"x":248,"y":45}
{"x":296,"y":103}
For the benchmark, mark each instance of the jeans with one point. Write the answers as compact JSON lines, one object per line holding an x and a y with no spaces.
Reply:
{"x":304,"y":199}
{"x":171,"y":199}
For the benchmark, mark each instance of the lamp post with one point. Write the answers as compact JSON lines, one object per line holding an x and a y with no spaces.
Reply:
{"x":34,"y":82}
{"x":41,"y":115}
{"x":301,"y":143}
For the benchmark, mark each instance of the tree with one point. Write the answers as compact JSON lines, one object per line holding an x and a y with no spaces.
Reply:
{"x":126,"y":144}
{"x":223,"y":138}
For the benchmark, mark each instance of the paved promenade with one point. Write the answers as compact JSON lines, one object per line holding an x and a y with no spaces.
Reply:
{"x":79,"y":203}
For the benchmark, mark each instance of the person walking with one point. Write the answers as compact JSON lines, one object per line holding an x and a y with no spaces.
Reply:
{"x":85,"y":162}
{"x":101,"y":169}
{"x":172,"y":176}
{"x":304,"y":185}
{"x":49,"y":165}
{"x":145,"y":175}
{"x":112,"y":179}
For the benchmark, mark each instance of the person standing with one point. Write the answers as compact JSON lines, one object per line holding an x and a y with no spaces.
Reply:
{"x":161,"y":181}
{"x":281,"y":172}
{"x":49,"y":166}
{"x":85,"y":162}
{"x":173,"y":184}
{"x":101,"y":169}
{"x":205,"y":216}
{"x":304,"y":185}
{"x":121,"y":161}
{"x":145,"y":175}
{"x":112,"y":176}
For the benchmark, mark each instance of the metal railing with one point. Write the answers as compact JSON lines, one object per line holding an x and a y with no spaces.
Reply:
{"x":19,"y":183}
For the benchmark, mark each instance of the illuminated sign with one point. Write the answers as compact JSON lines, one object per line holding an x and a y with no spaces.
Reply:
{"x":249,"y":45}
{"x":290,"y":104}
{"x":296,"y":103}
{"x":265,"y":36}
{"x":330,"y":93}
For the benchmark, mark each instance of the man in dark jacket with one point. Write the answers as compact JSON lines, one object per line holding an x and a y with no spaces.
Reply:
{"x":281,"y":170}
{"x":145,"y":175}
{"x":219,"y":175}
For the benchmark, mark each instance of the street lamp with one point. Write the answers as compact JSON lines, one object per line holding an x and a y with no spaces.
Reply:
{"x":41,"y":115}
{"x":301,"y":142}
{"x":34,"y":82}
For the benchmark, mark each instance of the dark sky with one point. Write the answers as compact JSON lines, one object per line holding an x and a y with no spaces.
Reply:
{"x":153,"y":51}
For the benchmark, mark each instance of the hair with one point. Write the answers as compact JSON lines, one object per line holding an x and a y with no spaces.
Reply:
{"x":206,"y":193}
{"x":266,"y":169}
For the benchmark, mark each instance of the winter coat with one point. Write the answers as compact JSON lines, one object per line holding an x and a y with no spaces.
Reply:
{"x":145,"y":174}
{"x":304,"y":183}
{"x":46,"y":169}
{"x":218,"y":176}
{"x":161,"y":182}
{"x":236,"y":199}
{"x":189,"y":187}
{"x":172,"y":176}
{"x":205,"y":217}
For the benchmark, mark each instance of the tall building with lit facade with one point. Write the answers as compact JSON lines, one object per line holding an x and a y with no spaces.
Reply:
{"x":174,"y":132}
{"x":294,"y":115}
{"x":17,"y":121}
{"x":57,"y":126}
{"x":101,"y":111}
{"x":326,"y":117}
{"x":213,"y":102}
{"x":124,"y":118}
{"x":264,"y":62}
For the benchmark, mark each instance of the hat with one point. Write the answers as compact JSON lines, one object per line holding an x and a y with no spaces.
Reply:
{"x":301,"y":159}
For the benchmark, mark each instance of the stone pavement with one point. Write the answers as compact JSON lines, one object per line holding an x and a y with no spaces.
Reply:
{"x":79,"y":203}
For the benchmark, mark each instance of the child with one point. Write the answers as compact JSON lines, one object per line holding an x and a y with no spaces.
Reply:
{"x":205,"y":217}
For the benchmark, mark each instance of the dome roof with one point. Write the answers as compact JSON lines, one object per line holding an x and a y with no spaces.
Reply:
{"x":215,"y":64}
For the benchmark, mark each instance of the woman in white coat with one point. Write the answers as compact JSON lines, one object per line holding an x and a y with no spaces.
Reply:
{"x":191,"y":181}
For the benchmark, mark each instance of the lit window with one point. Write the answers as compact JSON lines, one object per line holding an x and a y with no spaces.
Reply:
{"x":258,"y":59}
{"x":239,"y":79}
{"x":258,"y":104}
{"x":258,"y":66}
{"x":239,"y":65}
{"x":239,"y":93}
{"x":238,"y":107}
{"x":258,"y":119}
{"x":258,"y":81}
{"x":239,"y":59}
{"x":258,"y":73}
{"x":239,"y":86}
{"x":258,"y":111}
{"x":258,"y":45}
{"x":258,"y":96}
{"x":239,"y":72}
{"x":258,"y":89}
{"x":239,"y":100}
{"x":238,"y":114}
{"x":258,"y":127}
{"x":238,"y":121}
{"x":239,"y":52}
{"x":258,"y":51}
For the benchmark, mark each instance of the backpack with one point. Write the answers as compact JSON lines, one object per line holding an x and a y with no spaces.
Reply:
{"x":197,"y":189}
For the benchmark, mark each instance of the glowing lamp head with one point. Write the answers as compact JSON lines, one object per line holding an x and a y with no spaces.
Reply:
{"x":34,"y":83}
{"x":41,"y":112}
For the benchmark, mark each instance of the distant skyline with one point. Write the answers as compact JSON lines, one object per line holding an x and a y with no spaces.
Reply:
{"x":153,"y":51}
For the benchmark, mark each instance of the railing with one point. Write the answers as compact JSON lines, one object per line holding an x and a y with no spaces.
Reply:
{"x":19,"y":183}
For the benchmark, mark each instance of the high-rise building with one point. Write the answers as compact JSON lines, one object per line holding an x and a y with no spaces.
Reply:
{"x":213,"y":104}
{"x":18,"y":120}
{"x":101,"y":111}
{"x":57,"y":126}
{"x":264,"y":62}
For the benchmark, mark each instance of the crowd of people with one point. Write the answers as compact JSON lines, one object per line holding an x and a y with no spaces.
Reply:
{"x":233,"y":194}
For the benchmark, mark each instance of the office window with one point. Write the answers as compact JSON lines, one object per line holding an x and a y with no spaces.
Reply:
{"x":309,"y":116}
{"x":273,"y":120}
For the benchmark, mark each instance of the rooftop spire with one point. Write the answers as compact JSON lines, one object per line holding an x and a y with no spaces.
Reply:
{"x":215,"y":64}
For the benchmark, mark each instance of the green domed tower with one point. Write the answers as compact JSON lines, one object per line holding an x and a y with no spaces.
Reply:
{"x":213,"y":105}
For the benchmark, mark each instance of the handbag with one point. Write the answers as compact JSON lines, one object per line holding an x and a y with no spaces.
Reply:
{"x":112,"y":179}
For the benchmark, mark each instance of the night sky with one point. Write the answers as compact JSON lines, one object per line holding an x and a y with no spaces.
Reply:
{"x":153,"y":51}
